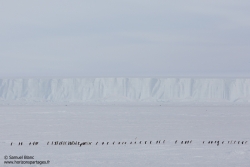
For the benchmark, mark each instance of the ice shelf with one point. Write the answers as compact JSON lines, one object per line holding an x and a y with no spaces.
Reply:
{"x":126,"y":89}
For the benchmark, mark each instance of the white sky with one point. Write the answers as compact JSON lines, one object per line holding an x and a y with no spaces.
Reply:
{"x":124,"y":38}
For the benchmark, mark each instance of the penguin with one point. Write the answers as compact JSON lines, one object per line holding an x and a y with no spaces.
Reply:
{"x":242,"y":142}
{"x":131,"y":142}
{"x":11,"y":143}
{"x":140,"y":142}
{"x":107,"y":143}
{"x":209,"y":142}
{"x":47,"y":143}
{"x":145,"y":142}
{"x":119,"y":142}
{"x":203,"y":142}
{"x":190,"y":141}
{"x":181,"y":142}
{"x":113,"y":143}
{"x":150,"y":142}
{"x":175,"y":141}
{"x":245,"y":142}
{"x":163,"y":141}
{"x":223,"y":142}
{"x":125,"y":143}
{"x":135,"y":142}
{"x":234,"y":142}
{"x":102,"y":143}
{"x":238,"y":142}
{"x":96,"y":143}
{"x":157,"y":142}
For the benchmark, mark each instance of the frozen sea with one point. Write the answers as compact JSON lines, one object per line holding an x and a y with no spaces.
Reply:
{"x":126,"y":123}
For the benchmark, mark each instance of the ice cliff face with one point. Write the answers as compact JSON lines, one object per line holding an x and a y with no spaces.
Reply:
{"x":126,"y":89}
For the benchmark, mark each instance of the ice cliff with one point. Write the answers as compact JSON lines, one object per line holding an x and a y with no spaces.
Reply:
{"x":126,"y":90}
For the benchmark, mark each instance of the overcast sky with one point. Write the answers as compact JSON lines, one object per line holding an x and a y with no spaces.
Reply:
{"x":124,"y":38}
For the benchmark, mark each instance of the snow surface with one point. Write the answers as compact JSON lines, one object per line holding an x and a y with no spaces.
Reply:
{"x":125,"y":90}
{"x":127,"y":123}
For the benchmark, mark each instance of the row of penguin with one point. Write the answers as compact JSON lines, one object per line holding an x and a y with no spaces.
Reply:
{"x":217,"y":142}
